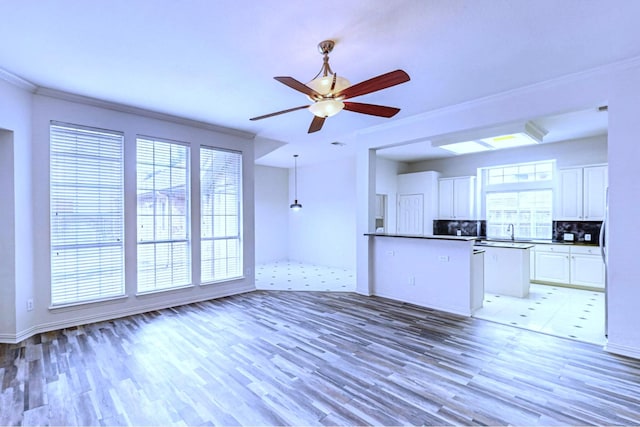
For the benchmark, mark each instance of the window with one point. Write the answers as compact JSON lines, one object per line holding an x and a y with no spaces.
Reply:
{"x":520,"y":195}
{"x":86,"y":214}
{"x":164,"y":253}
{"x":220,"y":219}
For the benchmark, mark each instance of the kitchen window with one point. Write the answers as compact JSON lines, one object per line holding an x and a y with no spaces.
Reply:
{"x":220,"y":214}
{"x":164,"y":251}
{"x":519,"y":196}
{"x":86,"y":214}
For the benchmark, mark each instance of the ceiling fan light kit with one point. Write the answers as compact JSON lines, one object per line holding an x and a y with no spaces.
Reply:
{"x":328,"y":91}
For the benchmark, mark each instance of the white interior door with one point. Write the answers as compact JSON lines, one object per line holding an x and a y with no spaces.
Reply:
{"x":410,"y":213}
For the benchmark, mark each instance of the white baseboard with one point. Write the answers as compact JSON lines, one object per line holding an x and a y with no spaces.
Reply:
{"x":622,"y":350}
{"x":115,"y":314}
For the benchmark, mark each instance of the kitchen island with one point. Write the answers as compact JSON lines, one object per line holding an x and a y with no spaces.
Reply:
{"x":441,"y":272}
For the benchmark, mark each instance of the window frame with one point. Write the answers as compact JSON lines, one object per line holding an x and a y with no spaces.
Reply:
{"x":158,"y":243}
{"x":113,"y":212}
{"x":239,"y":230}
{"x":519,"y":187}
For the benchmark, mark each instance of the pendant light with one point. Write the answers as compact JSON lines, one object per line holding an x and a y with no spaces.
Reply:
{"x":295,"y":205}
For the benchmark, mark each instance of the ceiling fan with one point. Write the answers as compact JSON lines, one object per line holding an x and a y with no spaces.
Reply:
{"x":328,"y":91}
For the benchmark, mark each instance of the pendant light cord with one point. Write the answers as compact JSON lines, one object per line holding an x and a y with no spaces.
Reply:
{"x":295,"y":176}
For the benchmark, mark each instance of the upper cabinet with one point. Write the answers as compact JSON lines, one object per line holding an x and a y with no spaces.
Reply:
{"x":582,"y":193}
{"x":456,"y":197}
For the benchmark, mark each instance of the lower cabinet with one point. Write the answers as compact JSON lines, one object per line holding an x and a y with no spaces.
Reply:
{"x":506,"y":271}
{"x":552,"y":263}
{"x":587,"y":268}
{"x":573,"y":265}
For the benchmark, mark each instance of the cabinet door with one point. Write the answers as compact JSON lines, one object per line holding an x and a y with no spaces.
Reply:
{"x":552,"y":267}
{"x":587,"y":270}
{"x":570,"y":195}
{"x":594,"y":192}
{"x":445,"y":199}
{"x":463,"y":192}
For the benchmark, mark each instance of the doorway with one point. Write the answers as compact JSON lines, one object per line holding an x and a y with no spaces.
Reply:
{"x":410,"y":214}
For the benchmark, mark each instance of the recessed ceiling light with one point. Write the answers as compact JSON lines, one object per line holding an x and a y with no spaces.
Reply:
{"x":508,"y":141}
{"x":465,"y":147}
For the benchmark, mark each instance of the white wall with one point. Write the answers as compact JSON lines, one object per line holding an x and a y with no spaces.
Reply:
{"x":41,"y":110}
{"x":272,"y":214}
{"x":16,"y":234}
{"x":624,"y":210}
{"x":323,"y":232}
{"x":577,"y":152}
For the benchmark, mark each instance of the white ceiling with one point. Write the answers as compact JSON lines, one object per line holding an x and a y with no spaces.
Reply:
{"x":214,"y":61}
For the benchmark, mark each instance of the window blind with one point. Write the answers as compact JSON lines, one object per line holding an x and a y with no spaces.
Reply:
{"x":164,"y":254}
{"x":220,"y":214}
{"x":86,"y":214}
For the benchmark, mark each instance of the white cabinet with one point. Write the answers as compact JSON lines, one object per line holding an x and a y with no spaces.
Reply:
{"x":572,"y":265}
{"x":594,"y":192}
{"x":532,"y":263}
{"x":587,"y":268}
{"x":456,"y":197}
{"x":506,"y":271}
{"x":582,"y":193}
{"x":552,"y":263}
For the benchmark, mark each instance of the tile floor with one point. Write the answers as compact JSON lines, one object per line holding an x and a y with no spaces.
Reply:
{"x":554,"y":310}
{"x":297,"y":276}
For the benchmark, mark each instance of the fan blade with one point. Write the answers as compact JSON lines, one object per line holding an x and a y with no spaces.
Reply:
{"x":300,"y":87}
{"x":374,"y":110}
{"x":316,"y":124}
{"x":382,"y":81}
{"x":279,"y":112}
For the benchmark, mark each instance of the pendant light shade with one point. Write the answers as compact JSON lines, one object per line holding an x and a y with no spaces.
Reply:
{"x":295,"y":205}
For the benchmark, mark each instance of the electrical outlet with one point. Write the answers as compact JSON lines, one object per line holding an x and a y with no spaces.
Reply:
{"x":587,"y":237}
{"x":29,"y":304}
{"x":459,"y":233}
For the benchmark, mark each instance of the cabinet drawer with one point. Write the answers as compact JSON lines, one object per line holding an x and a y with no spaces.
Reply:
{"x":587,"y":250}
{"x":561,"y":249}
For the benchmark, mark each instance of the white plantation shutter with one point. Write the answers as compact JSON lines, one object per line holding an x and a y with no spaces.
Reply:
{"x":86,"y":214}
{"x":164,"y":252}
{"x":220,"y":214}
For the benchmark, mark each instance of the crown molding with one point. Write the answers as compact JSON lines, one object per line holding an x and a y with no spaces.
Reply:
{"x":94,"y":102}
{"x":603,"y":70}
{"x":16,"y":80}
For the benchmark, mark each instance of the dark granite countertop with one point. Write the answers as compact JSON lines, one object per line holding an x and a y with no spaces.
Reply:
{"x":419,"y":236}
{"x":541,"y":241}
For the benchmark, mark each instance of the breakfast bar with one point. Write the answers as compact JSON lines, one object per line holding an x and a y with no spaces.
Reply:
{"x":440,"y":272}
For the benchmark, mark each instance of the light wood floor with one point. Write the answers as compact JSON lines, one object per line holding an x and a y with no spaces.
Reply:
{"x":310,"y":358}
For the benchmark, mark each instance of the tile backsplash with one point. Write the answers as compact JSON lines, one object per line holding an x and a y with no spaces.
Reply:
{"x":466,"y":227}
{"x":579,"y":230}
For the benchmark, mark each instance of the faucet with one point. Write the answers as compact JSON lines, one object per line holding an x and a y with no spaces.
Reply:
{"x":512,"y":228}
